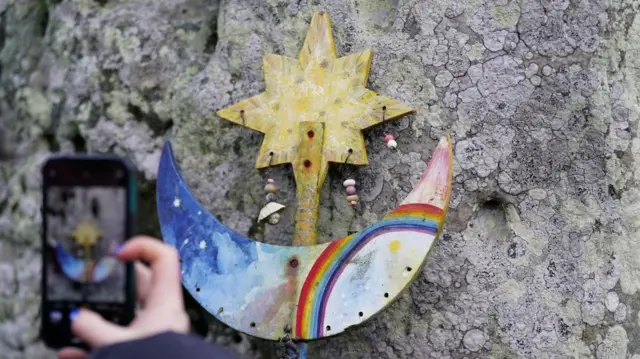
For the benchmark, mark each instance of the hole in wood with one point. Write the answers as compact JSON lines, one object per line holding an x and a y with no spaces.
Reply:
{"x":271,"y":153}
{"x":361,"y":314}
{"x":253,"y":324}
{"x":293,"y":263}
{"x":307,"y":163}
{"x":384,"y":108}
{"x":197,"y":289}
{"x":351,"y":150}
{"x":328,"y":328}
{"x":310,"y":134}
{"x":386,"y":295}
{"x":409,"y":269}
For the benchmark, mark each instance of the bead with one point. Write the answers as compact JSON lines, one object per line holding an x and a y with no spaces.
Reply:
{"x":353,"y":198}
{"x":353,"y":203}
{"x":270,"y":188}
{"x":388,"y":138}
{"x":274,"y":218}
{"x":349,"y":182}
{"x":351,"y":190}
{"x":270,"y":180}
{"x":270,"y":197}
{"x":392,"y":144}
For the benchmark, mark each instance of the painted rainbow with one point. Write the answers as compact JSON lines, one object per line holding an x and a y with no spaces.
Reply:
{"x":417,"y":217}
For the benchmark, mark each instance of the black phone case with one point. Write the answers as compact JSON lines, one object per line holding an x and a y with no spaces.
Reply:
{"x":131,"y":217}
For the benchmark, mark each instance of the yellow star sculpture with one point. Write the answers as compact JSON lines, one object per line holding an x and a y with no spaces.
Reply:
{"x":86,"y":234}
{"x":320,"y":87}
{"x":313,"y":112}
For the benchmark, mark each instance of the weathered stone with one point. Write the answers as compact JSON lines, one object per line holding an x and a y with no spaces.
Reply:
{"x":621,"y":313}
{"x":499,"y":73}
{"x":614,"y":344}
{"x":612,"y":301}
{"x":538,"y":256}
{"x":535,"y":80}
{"x":494,"y":41}
{"x":531,"y":70}
{"x":473,"y":340}
{"x":475,"y":73}
{"x":443,"y":78}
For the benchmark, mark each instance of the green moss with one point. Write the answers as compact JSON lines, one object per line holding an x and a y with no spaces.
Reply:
{"x":198,"y":40}
{"x":37,"y":105}
{"x":128,"y":46}
{"x":506,"y":16}
{"x":117,"y":110}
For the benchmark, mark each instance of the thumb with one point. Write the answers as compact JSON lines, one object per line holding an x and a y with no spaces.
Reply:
{"x":94,"y":330}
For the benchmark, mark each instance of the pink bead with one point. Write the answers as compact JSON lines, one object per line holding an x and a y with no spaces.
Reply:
{"x":388,"y":138}
{"x":351,"y":190}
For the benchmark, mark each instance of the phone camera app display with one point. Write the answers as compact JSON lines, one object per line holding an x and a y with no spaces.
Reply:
{"x":85,"y":225}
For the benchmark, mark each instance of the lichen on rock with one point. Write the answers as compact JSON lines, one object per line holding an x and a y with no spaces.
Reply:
{"x":538,"y":257}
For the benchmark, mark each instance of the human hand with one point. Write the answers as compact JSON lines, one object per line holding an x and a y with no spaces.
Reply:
{"x":159,"y":292}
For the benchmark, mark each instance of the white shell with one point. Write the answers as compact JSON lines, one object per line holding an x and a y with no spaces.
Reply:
{"x":349,"y":182}
{"x":392,"y":144}
{"x":269,"y":209}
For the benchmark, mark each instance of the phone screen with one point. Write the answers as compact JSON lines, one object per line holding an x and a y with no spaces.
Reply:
{"x":85,"y":226}
{"x":85,"y":221}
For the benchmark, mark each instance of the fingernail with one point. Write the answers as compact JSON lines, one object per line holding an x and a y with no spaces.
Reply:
{"x":73,"y":314}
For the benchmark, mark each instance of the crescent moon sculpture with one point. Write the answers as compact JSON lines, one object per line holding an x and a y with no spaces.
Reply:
{"x":81,"y":270}
{"x":317,"y":290}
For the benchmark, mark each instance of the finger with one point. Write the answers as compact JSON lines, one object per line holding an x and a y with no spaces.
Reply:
{"x":95,"y":331}
{"x":165,"y":288}
{"x":143,"y":281}
{"x":72,"y":353}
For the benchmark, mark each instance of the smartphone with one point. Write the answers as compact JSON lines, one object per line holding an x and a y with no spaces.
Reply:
{"x":88,"y":211}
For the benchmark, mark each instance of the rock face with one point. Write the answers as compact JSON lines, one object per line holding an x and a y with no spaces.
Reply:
{"x":540,"y":254}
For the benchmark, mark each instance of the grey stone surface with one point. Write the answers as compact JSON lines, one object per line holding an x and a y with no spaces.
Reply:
{"x":541,"y":235}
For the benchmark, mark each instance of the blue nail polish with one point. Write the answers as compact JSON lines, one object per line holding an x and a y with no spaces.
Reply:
{"x":117,"y":249}
{"x":73,"y":314}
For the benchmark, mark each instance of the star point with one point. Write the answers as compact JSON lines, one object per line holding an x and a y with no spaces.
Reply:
{"x":317,"y":86}
{"x":318,"y":44}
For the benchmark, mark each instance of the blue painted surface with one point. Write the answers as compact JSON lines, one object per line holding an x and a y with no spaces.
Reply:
{"x":75,"y":268}
{"x":226,"y":272}
{"x":71,"y":266}
{"x":304,"y":352}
